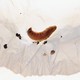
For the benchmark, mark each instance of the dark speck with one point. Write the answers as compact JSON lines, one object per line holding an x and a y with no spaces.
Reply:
{"x":61,"y":36}
{"x":37,"y":42}
{"x":44,"y":54}
{"x":45,"y":42}
{"x":5,"y":46}
{"x":18,"y":35}
{"x":20,"y":13}
{"x":52,"y":52}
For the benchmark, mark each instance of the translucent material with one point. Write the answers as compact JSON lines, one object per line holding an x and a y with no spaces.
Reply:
{"x":27,"y":58}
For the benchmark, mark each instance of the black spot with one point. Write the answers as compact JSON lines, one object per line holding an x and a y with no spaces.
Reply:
{"x":18,"y":35}
{"x":52,"y":52}
{"x":37,"y":42}
{"x":61,"y":36}
{"x":20,"y":13}
{"x":45,"y":42}
{"x":5,"y":46}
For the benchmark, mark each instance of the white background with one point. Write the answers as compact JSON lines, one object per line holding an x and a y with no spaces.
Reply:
{"x":64,"y":12}
{"x":8,"y":75}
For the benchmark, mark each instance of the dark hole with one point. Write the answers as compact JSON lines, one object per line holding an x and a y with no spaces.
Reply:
{"x":18,"y":35}
{"x":5,"y":46}
{"x":61,"y":36}
{"x":45,"y":42}
{"x":52,"y":52}
{"x":37,"y":42}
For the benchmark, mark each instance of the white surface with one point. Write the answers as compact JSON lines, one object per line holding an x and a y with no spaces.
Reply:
{"x":39,"y":15}
{"x":6,"y":74}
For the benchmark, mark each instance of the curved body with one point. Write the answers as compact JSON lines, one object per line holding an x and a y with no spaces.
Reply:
{"x":39,"y":36}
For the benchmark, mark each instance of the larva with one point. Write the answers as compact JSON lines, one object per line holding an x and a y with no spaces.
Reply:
{"x":39,"y":36}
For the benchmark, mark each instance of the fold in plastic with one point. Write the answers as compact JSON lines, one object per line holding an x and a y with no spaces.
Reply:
{"x":35,"y":59}
{"x":24,"y":57}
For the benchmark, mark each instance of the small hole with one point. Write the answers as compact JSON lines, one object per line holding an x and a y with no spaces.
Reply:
{"x":17,"y":34}
{"x":61,"y":36}
{"x":52,"y":52}
{"x":5,"y":46}
{"x":37,"y":42}
{"x":45,"y":42}
{"x":19,"y":37}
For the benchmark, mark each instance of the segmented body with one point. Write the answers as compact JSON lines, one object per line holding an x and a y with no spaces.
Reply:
{"x":39,"y":36}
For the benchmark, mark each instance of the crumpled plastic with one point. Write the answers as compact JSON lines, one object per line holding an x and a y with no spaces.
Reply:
{"x":23,"y":57}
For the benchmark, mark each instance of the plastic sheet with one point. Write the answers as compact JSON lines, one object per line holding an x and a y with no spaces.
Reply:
{"x":26,"y":58}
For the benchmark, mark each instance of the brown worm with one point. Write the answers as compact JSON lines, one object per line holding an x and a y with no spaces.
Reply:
{"x":39,"y":36}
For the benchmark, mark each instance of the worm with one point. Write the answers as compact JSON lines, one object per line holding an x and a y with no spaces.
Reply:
{"x":40,"y":36}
